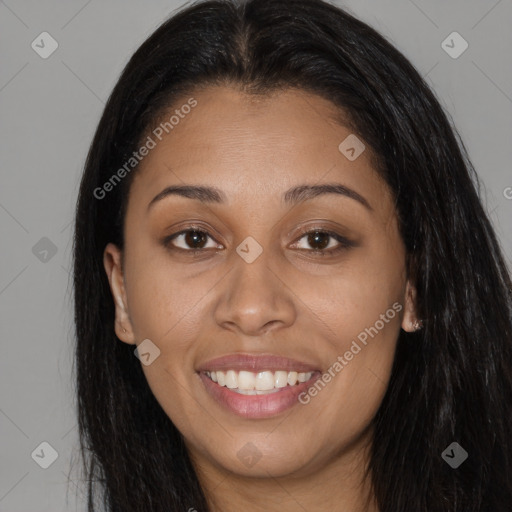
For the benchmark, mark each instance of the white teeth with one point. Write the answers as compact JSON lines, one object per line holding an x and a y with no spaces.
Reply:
{"x":264,"y":381}
{"x":249,"y":383}
{"x":231,"y":379}
{"x":246,"y":380}
{"x":292,"y":378}
{"x":254,"y":391}
{"x":280,"y":379}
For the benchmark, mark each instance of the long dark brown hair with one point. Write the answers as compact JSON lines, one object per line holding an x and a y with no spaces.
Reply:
{"x":451,"y":381}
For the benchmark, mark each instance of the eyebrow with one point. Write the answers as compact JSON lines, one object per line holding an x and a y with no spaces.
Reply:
{"x":292,"y":196}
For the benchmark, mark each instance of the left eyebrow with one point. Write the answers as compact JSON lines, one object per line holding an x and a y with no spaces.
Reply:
{"x":305,"y":192}
{"x":294,"y":195}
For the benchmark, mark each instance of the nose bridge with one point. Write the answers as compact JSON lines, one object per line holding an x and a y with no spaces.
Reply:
{"x":254,"y":296}
{"x":252,"y":270}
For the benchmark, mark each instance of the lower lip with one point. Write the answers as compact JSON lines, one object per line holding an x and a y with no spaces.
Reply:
{"x":257,"y":406}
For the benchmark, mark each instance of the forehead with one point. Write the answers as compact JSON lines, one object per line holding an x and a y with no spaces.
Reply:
{"x":254,"y":146}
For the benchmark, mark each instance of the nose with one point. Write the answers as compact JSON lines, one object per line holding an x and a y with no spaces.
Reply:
{"x":254,"y":298}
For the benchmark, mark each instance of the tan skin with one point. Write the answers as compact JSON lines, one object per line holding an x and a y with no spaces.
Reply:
{"x":289,"y":301}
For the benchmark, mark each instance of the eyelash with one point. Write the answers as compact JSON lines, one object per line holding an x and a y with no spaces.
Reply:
{"x":343,"y":242}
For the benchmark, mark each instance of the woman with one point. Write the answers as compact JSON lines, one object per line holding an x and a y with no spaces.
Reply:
{"x":287,"y":292}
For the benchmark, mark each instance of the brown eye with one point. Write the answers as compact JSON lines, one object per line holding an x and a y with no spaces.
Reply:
{"x":318,"y":240}
{"x":193,"y":240}
{"x":324,"y":242}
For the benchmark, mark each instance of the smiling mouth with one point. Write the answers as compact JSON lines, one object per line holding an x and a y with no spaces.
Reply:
{"x":257,"y":386}
{"x":258,"y":383}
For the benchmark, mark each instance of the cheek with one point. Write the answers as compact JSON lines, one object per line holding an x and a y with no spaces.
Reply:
{"x":354,"y":299}
{"x":359,"y":312}
{"x":164,"y":307}
{"x":162,"y":300}
{"x":359,"y":315}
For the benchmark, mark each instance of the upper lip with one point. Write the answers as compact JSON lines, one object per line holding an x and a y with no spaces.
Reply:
{"x":256,"y":362}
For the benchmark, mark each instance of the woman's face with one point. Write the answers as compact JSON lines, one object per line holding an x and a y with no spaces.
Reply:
{"x":255,"y":303}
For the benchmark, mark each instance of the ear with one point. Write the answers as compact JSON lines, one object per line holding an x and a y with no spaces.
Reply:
{"x":410,"y":320}
{"x":113,"y":268}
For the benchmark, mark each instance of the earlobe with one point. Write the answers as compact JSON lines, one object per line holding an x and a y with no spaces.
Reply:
{"x":113,"y":268}
{"x":410,"y":320}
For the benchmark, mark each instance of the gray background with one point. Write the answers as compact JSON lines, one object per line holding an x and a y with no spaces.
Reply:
{"x":49,"y":110}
